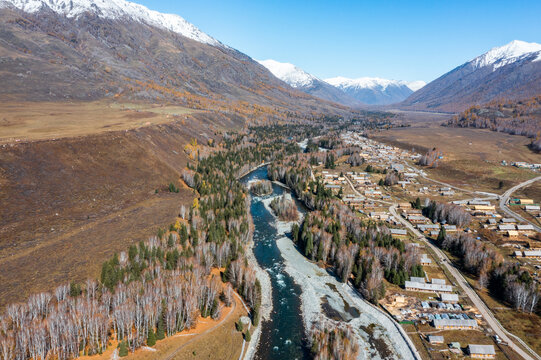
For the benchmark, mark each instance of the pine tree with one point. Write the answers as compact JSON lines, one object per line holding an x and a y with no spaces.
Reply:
{"x":309,"y":245}
{"x":123,"y":349}
{"x":441,"y":234}
{"x":151,"y":338}
{"x":417,"y":203}
{"x":160,"y":332}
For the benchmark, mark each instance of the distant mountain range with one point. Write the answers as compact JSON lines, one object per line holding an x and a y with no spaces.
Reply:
{"x":512,"y":71}
{"x":92,"y":49}
{"x":376,"y":91}
{"x":351,"y":92}
{"x":308,"y":83}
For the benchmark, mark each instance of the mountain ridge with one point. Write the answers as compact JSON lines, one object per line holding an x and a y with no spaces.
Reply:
{"x":83,"y":52}
{"x":114,"y":9}
{"x":511,"y":71}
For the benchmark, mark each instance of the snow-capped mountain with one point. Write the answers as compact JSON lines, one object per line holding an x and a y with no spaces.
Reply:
{"x":300,"y":79}
{"x":95,"y":49}
{"x":289,"y":73}
{"x":507,"y":54}
{"x":512,"y":71}
{"x":114,"y":9}
{"x":376,"y":91}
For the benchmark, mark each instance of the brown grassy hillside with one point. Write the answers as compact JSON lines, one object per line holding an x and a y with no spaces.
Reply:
{"x":68,"y":204}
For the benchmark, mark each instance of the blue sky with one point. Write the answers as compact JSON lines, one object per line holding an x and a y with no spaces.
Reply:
{"x":404,"y":40}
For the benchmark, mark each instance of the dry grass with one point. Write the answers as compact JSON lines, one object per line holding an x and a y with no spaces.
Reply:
{"x":472,"y":157}
{"x":210,"y":339}
{"x":69,"y":204}
{"x":30,"y":121}
{"x":525,"y":326}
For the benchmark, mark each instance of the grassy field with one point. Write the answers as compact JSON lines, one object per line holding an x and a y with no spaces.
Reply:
{"x":471,"y":157}
{"x":48,"y":120}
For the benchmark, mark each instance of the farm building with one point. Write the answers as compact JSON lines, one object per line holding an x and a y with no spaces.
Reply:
{"x":417,"y":279}
{"x":484,"y":207}
{"x":525,"y":201}
{"x":532,"y":253}
{"x":417,"y":286}
{"x":450,"y":298}
{"x":525,"y":228}
{"x":482,"y":351}
{"x":455,"y":324}
{"x":398,"y":232}
{"x":506,"y":227}
{"x":532,"y":208}
{"x":433,"y":339}
{"x":438,"y":281}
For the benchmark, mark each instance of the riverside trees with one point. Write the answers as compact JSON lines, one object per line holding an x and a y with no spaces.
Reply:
{"x":284,"y":207}
{"x":360,"y":251}
{"x":160,"y":286}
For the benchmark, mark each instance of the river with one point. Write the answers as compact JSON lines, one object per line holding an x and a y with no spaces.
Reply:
{"x":283,"y":336}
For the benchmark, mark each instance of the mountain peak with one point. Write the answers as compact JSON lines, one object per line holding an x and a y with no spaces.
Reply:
{"x":507,"y":54}
{"x":115,"y":9}
{"x":373,"y":83}
{"x":289,"y":73}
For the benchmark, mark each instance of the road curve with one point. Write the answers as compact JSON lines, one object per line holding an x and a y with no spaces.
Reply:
{"x":504,"y":199}
{"x":476,"y":300}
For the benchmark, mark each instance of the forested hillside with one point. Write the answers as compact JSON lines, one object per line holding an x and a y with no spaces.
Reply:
{"x":513,"y":117}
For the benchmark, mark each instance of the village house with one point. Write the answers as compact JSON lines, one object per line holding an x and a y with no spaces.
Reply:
{"x":417,"y":219}
{"x":512,"y":234}
{"x":481,"y":351}
{"x":532,"y":208}
{"x":425,"y":260}
{"x":398,"y":233}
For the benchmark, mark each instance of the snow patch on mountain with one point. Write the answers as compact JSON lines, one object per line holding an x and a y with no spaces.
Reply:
{"x":373,"y":83}
{"x":289,"y":73}
{"x":507,"y":54}
{"x":416,"y":85}
{"x":115,"y":9}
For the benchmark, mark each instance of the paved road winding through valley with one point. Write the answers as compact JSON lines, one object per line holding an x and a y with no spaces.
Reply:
{"x":505,"y":198}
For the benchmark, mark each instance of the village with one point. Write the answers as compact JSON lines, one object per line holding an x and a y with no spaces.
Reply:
{"x":390,"y":188}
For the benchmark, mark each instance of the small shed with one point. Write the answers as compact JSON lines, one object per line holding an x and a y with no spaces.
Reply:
{"x":450,"y":298}
{"x":433,"y":339}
